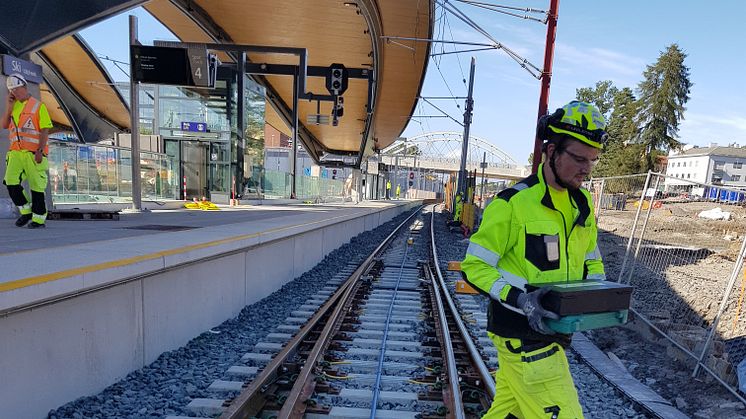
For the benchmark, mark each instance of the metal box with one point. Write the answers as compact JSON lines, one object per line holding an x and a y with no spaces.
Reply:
{"x":583,"y":297}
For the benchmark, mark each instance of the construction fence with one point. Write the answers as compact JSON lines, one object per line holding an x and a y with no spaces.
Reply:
{"x":681,"y":245}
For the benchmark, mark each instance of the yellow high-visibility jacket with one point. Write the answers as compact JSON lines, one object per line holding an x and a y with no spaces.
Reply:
{"x":523,"y":239}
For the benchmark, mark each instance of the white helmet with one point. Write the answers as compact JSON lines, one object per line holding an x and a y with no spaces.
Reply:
{"x":15,"y":80}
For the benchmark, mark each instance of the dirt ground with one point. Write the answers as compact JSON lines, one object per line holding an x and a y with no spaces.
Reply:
{"x":683,"y":267}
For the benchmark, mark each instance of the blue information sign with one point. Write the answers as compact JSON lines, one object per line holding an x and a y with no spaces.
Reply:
{"x":194,"y":126}
{"x":30,"y":71}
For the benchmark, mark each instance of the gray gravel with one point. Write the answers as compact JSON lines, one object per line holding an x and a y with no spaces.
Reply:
{"x":167,"y":385}
{"x":597,"y":397}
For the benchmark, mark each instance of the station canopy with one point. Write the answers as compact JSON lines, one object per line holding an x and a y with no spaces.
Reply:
{"x":346,"y":32}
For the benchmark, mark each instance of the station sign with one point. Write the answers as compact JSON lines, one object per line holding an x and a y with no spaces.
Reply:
{"x":173,"y":66}
{"x":30,"y":71}
{"x":194,"y":126}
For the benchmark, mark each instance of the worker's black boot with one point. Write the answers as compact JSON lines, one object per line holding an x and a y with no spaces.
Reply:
{"x":23,"y":220}
{"x":34,"y":225}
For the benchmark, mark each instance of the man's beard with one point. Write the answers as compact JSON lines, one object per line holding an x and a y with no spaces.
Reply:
{"x":557,"y":177}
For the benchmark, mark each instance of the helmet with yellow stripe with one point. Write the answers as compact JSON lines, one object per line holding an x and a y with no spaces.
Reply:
{"x":579,"y":120}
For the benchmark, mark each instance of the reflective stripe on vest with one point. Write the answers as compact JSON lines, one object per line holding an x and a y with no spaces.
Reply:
{"x":26,"y":135}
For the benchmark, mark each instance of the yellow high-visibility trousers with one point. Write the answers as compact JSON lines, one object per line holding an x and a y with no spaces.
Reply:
{"x":532,"y":384}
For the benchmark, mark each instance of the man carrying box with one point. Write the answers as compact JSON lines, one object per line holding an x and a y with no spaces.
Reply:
{"x":541,"y":230}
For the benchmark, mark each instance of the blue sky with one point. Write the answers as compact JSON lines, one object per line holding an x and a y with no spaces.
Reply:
{"x":596,"y":40}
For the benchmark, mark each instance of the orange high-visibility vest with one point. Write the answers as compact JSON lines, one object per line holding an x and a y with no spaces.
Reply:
{"x":27,"y":134}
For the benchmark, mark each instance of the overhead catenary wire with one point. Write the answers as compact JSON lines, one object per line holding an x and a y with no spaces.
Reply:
{"x":458,"y":60}
{"x":446,"y":82}
{"x":116,"y":63}
{"x":497,"y":7}
{"x":443,"y":112}
{"x":524,"y":63}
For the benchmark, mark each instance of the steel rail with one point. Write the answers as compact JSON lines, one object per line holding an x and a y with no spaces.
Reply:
{"x":454,"y":398}
{"x":484,"y":372}
{"x":250,"y":402}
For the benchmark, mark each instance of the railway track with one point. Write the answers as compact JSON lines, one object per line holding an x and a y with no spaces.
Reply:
{"x":384,"y":344}
{"x":386,"y":338}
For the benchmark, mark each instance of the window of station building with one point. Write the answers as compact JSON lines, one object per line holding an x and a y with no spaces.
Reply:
{"x":683,"y":164}
{"x":719,"y":165}
{"x":735,"y":178}
{"x":737,"y":165}
{"x":688,"y":175}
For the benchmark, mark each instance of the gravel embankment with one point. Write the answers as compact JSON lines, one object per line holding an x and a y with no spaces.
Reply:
{"x":167,"y":385}
{"x":686,"y":297}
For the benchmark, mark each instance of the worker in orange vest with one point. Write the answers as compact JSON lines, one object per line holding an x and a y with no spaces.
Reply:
{"x":28,"y":124}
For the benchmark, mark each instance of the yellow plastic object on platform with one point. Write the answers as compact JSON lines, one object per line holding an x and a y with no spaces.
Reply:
{"x":201,"y":205}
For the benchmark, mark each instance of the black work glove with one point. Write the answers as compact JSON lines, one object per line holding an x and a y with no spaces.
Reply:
{"x":530,"y":303}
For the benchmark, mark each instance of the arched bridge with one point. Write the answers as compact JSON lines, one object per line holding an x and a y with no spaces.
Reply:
{"x":441,"y":152}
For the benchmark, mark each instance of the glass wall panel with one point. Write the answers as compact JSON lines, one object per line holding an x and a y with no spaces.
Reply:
{"x":92,"y":173}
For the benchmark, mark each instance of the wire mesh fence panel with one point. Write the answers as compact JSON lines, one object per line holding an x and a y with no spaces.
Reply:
{"x":681,"y":259}
{"x":616,"y":200}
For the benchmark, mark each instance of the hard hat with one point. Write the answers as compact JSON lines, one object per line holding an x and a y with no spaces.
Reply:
{"x":15,"y":80}
{"x":580,"y":120}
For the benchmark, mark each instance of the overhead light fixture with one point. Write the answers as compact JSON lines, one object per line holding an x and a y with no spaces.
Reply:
{"x":317,"y":119}
{"x":350,"y":3}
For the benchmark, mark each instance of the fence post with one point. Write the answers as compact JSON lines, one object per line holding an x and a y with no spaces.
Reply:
{"x":600,"y":199}
{"x":644,"y":227}
{"x":726,"y":295}
{"x":634,"y":226}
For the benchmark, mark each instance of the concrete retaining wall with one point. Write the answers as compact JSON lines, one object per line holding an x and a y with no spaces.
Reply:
{"x":58,"y":352}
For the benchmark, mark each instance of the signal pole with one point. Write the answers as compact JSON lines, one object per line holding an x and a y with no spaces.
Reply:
{"x":461,"y":186}
{"x":135,"y":124}
{"x":546,"y":75}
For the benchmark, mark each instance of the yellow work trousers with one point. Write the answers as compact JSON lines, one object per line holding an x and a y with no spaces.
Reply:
{"x":532,"y":384}
{"x":20,"y":165}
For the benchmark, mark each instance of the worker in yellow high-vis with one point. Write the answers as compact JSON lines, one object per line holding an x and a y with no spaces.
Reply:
{"x":541,"y":230}
{"x":28,"y":124}
{"x":458,"y":208}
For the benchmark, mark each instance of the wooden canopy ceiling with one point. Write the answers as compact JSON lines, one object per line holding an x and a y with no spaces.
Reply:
{"x":83,"y":72}
{"x":332,"y":31}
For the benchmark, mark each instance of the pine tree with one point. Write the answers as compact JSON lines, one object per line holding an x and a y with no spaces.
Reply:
{"x":663,"y":94}
{"x":620,"y":156}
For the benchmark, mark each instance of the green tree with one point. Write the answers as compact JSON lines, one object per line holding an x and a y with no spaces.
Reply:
{"x":619,"y":106}
{"x":602,"y":95}
{"x":622,"y":154}
{"x":663,"y":94}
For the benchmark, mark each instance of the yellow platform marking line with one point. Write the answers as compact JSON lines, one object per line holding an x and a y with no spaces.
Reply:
{"x":40,"y":279}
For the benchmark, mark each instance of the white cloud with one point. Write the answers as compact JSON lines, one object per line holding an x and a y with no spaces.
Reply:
{"x":620,"y":66}
{"x":700,"y":129}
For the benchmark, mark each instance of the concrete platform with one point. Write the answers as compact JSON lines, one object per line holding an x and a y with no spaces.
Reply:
{"x":86,"y":302}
